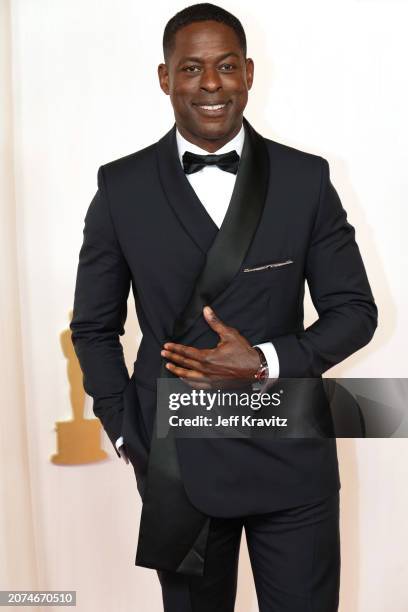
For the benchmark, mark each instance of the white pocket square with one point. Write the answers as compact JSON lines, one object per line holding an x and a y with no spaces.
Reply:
{"x":276,"y":264}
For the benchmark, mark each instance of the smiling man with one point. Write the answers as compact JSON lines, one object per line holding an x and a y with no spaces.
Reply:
{"x":208,"y":114}
{"x":216,"y":229}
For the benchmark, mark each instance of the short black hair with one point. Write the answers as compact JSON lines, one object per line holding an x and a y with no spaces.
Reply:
{"x":200,"y":12}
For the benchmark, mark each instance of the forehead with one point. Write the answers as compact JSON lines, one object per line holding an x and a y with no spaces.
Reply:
{"x":205,"y":39}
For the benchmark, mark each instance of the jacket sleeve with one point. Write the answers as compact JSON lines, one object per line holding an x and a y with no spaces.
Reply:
{"x":99,"y":314}
{"x":340,"y":292}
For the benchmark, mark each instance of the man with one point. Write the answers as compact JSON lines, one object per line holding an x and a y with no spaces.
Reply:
{"x":216,"y":229}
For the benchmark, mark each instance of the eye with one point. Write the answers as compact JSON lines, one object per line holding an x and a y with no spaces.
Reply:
{"x":190,"y":68}
{"x":228,"y":67}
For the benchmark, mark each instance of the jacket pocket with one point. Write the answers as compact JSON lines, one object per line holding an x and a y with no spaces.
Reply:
{"x":268,"y":266}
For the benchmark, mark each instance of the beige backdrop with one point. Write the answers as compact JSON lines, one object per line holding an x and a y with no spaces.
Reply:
{"x":78,"y":89}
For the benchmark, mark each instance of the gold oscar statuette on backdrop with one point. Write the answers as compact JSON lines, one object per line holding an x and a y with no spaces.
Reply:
{"x":78,"y":440}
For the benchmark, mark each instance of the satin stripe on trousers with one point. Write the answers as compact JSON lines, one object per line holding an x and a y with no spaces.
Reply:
{"x":295,"y":560}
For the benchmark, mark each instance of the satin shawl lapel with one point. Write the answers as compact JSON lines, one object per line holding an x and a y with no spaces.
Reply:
{"x":173,"y":533}
{"x":184,"y":201}
{"x":231,"y":243}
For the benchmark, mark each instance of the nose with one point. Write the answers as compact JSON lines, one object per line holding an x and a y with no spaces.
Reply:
{"x":210,"y":80}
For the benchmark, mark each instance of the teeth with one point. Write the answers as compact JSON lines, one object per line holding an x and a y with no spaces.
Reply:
{"x":212,"y":106}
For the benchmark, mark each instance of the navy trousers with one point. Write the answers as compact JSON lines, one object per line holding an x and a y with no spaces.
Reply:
{"x":295,"y":560}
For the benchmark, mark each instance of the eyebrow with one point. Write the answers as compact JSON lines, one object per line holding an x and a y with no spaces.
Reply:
{"x":199,"y":60}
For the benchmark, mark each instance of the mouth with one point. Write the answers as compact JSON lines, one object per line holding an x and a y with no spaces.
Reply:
{"x":213,"y":108}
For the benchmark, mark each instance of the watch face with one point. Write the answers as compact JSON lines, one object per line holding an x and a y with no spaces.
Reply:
{"x":262,"y":373}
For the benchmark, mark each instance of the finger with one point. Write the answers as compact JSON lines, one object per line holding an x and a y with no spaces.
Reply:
{"x":192,"y":375}
{"x":215,"y":322}
{"x":197,"y":385}
{"x":179,"y":359}
{"x":190,"y":352}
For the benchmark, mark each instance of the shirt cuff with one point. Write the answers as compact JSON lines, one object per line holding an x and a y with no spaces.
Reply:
{"x":119,"y":442}
{"x":271,"y":357}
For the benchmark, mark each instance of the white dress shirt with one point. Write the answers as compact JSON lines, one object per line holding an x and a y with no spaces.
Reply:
{"x":214,"y":187}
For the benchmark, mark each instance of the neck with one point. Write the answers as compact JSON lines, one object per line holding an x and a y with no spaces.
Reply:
{"x":210,"y":145}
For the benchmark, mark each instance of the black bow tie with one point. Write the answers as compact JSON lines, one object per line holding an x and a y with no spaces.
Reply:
{"x":226,"y":161}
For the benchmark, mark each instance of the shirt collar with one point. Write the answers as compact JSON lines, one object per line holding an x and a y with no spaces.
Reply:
{"x":235,"y":143}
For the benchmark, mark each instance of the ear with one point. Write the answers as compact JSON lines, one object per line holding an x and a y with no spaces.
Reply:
{"x":163,"y":73}
{"x":249,"y":71}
